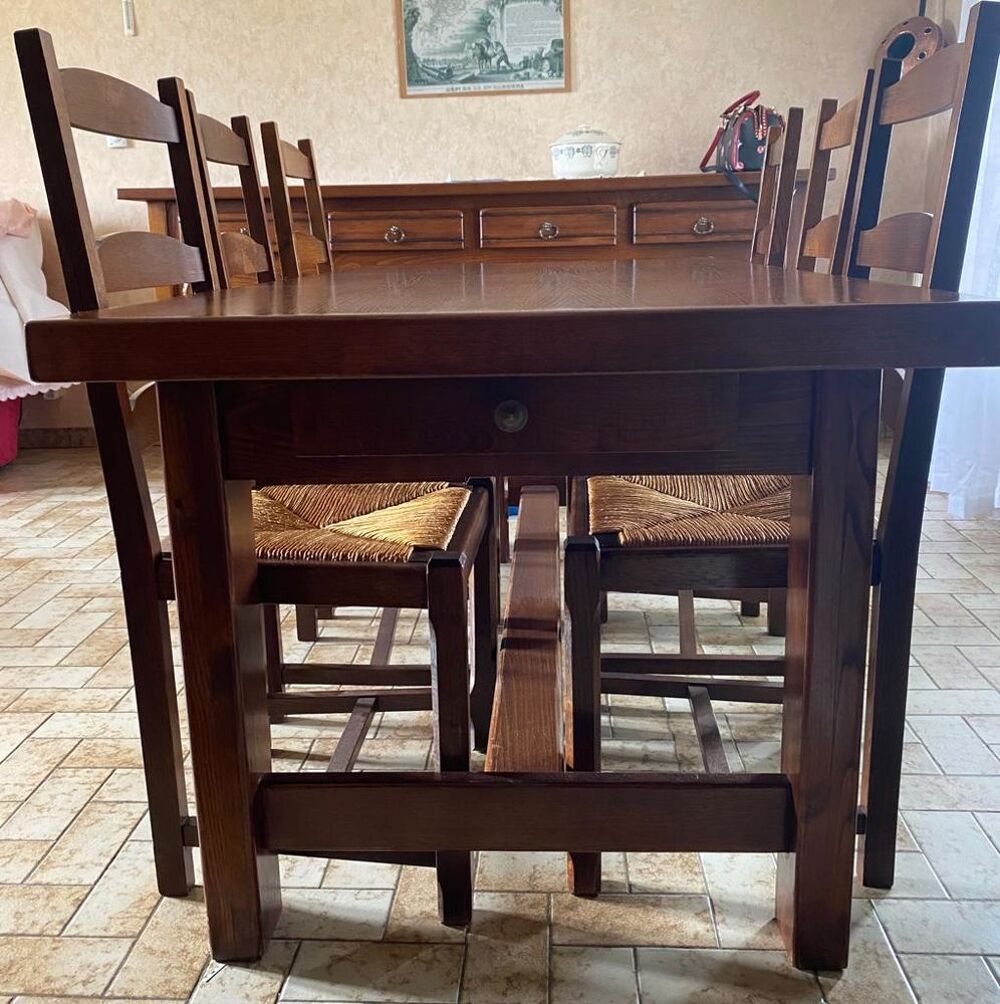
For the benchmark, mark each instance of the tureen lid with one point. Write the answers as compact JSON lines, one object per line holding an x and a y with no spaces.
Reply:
{"x":584,"y":134}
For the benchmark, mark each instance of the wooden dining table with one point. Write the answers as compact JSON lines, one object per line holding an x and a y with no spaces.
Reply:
{"x":654,"y":366}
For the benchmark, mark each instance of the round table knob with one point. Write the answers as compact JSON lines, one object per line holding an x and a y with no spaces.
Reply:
{"x":510,"y":416}
{"x":703,"y":226}
{"x":548,"y":231}
{"x":395,"y":235}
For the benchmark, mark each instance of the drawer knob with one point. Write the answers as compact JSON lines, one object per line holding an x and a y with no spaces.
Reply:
{"x":510,"y":416}
{"x":395,"y":235}
{"x":703,"y":226}
{"x":548,"y":231}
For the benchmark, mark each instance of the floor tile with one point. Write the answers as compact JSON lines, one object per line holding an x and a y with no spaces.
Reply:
{"x":63,"y":966}
{"x":89,"y":843}
{"x":951,"y":979}
{"x":53,"y":805}
{"x":669,"y":976}
{"x":944,"y":928}
{"x":257,"y":983}
{"x":873,"y":973}
{"x":508,"y":950}
{"x":345,"y":914}
{"x":360,"y":875}
{"x":633,"y":919}
{"x":38,"y":909}
{"x":122,"y":899}
{"x":666,"y":873}
{"x":591,"y":975}
{"x":414,"y":913}
{"x":742,"y":891}
{"x":170,"y":953}
{"x":355,"y":972}
{"x":959,"y":851}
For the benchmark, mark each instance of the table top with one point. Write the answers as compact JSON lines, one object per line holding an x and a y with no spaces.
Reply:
{"x":500,"y":318}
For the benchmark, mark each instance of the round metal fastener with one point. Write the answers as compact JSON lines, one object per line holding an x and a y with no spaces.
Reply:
{"x":703,"y":226}
{"x":510,"y":416}
{"x":395,"y":235}
{"x":548,"y":231}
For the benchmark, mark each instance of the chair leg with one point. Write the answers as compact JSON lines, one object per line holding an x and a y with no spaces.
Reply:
{"x":502,"y":515}
{"x":749,"y":608}
{"x":159,"y":730}
{"x":604,"y":607}
{"x":306,"y":624}
{"x":273,"y":658}
{"x":487,"y":618}
{"x":777,"y":612}
{"x":583,"y":753}
{"x":448,"y":611}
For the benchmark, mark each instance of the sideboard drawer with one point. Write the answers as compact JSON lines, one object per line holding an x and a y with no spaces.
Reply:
{"x":408,"y":230}
{"x":692,"y":222}
{"x":538,"y":226}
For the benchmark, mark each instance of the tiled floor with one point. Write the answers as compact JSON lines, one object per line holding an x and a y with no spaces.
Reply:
{"x":80,"y":917}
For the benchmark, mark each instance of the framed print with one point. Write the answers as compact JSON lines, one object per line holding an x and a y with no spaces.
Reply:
{"x":452,"y":47}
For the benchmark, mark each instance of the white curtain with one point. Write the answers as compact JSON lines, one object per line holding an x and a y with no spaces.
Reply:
{"x":966,"y":463}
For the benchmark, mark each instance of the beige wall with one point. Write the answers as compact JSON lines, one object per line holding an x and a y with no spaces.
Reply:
{"x":653,"y":72}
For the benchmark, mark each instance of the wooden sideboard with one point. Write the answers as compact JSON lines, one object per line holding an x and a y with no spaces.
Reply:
{"x":396,"y":225}
{"x":593,"y":218}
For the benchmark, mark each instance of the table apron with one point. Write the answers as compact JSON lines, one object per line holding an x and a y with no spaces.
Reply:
{"x":306,"y":431}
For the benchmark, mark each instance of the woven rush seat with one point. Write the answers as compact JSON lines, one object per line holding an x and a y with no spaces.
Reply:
{"x":691,"y":510}
{"x":333,"y":523}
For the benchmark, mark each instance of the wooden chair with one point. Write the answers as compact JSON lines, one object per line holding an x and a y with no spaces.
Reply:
{"x":958,"y":80}
{"x":707,"y":535}
{"x":313,"y":544}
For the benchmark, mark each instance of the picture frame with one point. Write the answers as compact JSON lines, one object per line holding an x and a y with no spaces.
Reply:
{"x":454,"y":48}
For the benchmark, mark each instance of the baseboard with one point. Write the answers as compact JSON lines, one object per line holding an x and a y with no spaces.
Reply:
{"x":55,"y":439}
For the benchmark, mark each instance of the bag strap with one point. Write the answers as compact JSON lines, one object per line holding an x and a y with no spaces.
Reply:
{"x":747,"y":99}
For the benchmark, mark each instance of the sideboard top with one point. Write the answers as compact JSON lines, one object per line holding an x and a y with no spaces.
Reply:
{"x":479,"y":188}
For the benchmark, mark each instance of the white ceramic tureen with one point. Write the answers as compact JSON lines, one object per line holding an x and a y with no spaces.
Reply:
{"x":585,"y":153}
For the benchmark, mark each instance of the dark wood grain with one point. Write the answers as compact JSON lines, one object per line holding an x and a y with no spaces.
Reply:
{"x":310,"y":813}
{"x":223,"y":643}
{"x":526,"y":730}
{"x":646,"y":315}
{"x":829,"y":572}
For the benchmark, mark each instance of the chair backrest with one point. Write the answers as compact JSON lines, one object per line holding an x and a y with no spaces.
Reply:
{"x":247,"y":252}
{"x":840,"y":127}
{"x":777,"y":191}
{"x":60,"y":100}
{"x":958,"y":81}
{"x":299,"y":253}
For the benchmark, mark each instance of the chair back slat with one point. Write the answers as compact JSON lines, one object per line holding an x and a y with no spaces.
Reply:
{"x":245,"y":256}
{"x":928,"y":89}
{"x":297,"y":256}
{"x":820,"y":241}
{"x":297,"y":164}
{"x":220,"y":144}
{"x":58,"y":100}
{"x":837,"y":131}
{"x":838,"y":128}
{"x":898,"y":243}
{"x":140,"y":260}
{"x":112,"y":107}
{"x":777,"y":191}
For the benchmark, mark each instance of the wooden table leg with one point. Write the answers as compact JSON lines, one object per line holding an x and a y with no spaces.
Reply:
{"x":829,"y":572}
{"x":222,"y":639}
